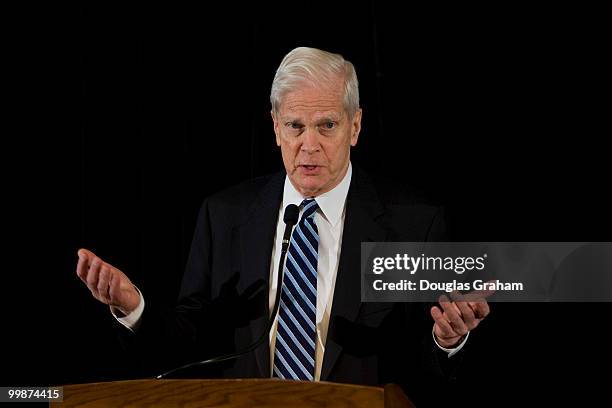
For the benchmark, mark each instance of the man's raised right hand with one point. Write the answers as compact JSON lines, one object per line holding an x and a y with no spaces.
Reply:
{"x":107,"y":284}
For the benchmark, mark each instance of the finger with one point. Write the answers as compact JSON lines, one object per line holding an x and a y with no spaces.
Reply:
{"x":93,"y":275}
{"x":82,"y":267}
{"x":481,"y":309}
{"x":444,"y":329}
{"x":90,"y":256}
{"x":467,"y":314}
{"x":477,"y":295}
{"x":444,"y":298}
{"x":455,"y":298}
{"x":451,"y":312}
{"x":114,"y":287}
{"x":103,"y":281}
{"x":465,"y":310}
{"x":445,"y":302}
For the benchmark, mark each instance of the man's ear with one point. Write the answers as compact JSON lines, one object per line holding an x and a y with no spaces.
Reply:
{"x":355,"y":127}
{"x":276,"y":128}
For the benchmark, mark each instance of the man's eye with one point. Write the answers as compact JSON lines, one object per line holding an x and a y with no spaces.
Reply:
{"x":329,"y":125}
{"x":293,"y":125}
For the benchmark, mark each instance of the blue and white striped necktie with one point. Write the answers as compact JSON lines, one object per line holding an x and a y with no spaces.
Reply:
{"x":296,"y":334}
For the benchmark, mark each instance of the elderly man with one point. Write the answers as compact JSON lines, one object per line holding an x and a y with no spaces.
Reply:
{"x":322,"y":331}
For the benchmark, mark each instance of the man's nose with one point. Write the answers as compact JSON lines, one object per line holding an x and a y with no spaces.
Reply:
{"x":310,"y":143}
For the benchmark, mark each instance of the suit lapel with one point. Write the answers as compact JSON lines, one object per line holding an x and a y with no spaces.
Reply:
{"x":363,"y":208}
{"x":255,"y":237}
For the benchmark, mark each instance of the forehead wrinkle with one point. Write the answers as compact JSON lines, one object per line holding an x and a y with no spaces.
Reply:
{"x":313,"y":96}
{"x":310,"y":105}
{"x":316,"y":116}
{"x":315,"y":110}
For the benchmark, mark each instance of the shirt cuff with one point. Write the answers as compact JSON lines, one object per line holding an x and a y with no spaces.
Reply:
{"x":451,"y":351}
{"x":132,"y":320}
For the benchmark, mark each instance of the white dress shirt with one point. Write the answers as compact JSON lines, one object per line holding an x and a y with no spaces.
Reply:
{"x":329,"y":218}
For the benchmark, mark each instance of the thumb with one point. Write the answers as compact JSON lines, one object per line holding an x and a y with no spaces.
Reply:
{"x":114,"y":286}
{"x":122,"y":292}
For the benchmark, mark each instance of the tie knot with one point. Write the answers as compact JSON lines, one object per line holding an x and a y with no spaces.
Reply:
{"x":310,"y":207}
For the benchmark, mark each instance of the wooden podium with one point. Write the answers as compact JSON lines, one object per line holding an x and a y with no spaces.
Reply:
{"x":230,"y":393}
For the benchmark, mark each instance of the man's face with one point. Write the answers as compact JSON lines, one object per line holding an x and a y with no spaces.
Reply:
{"x":315,"y":135}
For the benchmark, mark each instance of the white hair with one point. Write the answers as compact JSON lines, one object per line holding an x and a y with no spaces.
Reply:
{"x":318,"y":68}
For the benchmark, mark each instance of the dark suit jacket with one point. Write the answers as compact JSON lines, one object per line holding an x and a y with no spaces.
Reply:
{"x":223,"y":305}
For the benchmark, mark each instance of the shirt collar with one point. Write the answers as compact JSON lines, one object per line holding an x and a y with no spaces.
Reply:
{"x":331,"y":203}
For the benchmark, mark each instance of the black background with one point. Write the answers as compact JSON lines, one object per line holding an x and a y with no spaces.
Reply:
{"x":134,"y":114}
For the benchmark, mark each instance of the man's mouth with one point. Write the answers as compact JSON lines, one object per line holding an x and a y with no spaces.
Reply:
{"x":309,"y":169}
{"x":309,"y":166}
